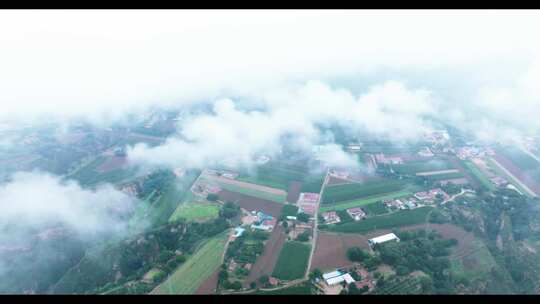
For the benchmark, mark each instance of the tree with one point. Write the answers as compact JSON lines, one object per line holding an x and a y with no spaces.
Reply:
{"x":355,"y":254}
{"x":303,"y":237}
{"x":252,"y":285}
{"x":316,"y":273}
{"x":223,"y":276}
{"x":353,"y":290}
{"x":264,"y":279}
{"x":212,"y":197}
{"x":229,"y":210}
{"x":303,"y":217}
{"x":235,"y":285}
{"x":285,"y":224}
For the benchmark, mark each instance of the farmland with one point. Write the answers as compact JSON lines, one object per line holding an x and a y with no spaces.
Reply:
{"x":523,"y":166}
{"x":266,"y":262}
{"x":91,"y":175}
{"x":338,"y":193}
{"x":511,"y":179}
{"x":331,"y":249}
{"x":478,"y":175}
{"x":416,"y":167}
{"x":393,"y":220}
{"x":263,"y":192}
{"x":364,"y":201}
{"x":444,"y":176}
{"x":195,"y":211}
{"x":376,"y":208}
{"x":251,"y":203}
{"x":187,"y":278}
{"x":174,"y":193}
{"x":292,"y":261}
{"x":280,"y":175}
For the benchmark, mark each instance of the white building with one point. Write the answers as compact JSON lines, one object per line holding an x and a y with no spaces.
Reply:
{"x":383,"y":239}
{"x":336,"y":277}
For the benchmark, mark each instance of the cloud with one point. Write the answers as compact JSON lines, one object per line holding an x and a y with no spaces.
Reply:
{"x":31,"y":200}
{"x":236,"y":135}
{"x":102,"y":64}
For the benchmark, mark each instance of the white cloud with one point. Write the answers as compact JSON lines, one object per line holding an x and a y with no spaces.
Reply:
{"x":33,"y":199}
{"x":104,"y":63}
{"x":391,"y":110}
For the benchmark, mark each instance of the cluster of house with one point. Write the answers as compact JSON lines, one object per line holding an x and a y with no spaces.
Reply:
{"x":499,"y":181}
{"x":344,"y":278}
{"x":473,"y":152}
{"x":418,"y":200}
{"x":431,"y":195}
{"x":203,"y":188}
{"x":437,"y":137}
{"x":256,"y":220}
{"x":264,"y":221}
{"x":331,"y":217}
{"x":221,"y":173}
{"x":307,"y":203}
{"x":339,"y":173}
{"x":402,"y":204}
{"x":380,"y":158}
{"x":425,"y":152}
{"x":129,"y":189}
{"x":354,"y":147}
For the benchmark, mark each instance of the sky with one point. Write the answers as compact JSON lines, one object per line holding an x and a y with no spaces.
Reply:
{"x":100,"y":64}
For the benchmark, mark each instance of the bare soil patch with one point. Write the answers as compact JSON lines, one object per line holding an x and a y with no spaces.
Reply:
{"x":293,"y":192}
{"x":112,"y":163}
{"x":251,"y":203}
{"x":265,"y":263}
{"x":209,"y":285}
{"x":337,"y":181}
{"x":246,"y":185}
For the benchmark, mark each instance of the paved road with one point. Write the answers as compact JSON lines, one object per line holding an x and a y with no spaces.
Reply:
{"x":315,"y":228}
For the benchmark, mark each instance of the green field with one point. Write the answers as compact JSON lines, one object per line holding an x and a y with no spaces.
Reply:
{"x":88,"y":176}
{"x":347,"y":192}
{"x":172,"y":196}
{"x":277,"y":174}
{"x":376,"y":208}
{"x":479,"y":175}
{"x":364,"y":201}
{"x":292,"y":261}
{"x":195,"y":211}
{"x":416,"y":167}
{"x":190,"y":275}
{"x":438,"y":177}
{"x":393,"y":220}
